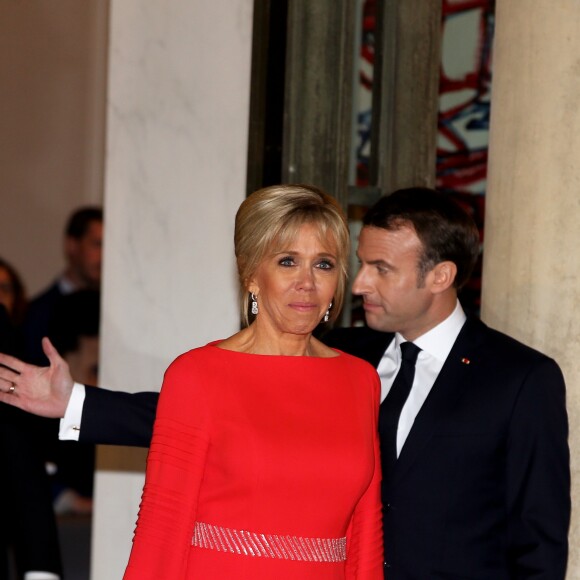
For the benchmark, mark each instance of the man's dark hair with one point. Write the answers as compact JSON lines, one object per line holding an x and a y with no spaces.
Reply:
{"x":75,"y":315}
{"x":79,"y":222}
{"x":446,"y":231}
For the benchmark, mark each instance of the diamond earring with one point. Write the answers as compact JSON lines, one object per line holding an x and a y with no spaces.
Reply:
{"x":254,"y":304}
{"x":327,"y":315}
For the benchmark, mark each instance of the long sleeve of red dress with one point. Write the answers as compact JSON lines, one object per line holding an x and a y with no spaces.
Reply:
{"x":266,"y":446}
{"x":365,"y":533}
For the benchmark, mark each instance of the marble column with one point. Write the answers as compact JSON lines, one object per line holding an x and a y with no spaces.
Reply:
{"x":177,"y":130}
{"x":531,"y":280}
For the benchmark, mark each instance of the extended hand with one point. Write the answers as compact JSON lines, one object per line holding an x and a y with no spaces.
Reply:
{"x":43,"y":391}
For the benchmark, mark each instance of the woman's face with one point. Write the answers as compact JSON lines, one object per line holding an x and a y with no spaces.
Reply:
{"x":295,"y":285}
{"x":6,"y":290}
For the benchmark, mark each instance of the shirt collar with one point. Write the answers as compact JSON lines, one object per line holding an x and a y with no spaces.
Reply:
{"x":439,"y":341}
{"x":65,"y":285}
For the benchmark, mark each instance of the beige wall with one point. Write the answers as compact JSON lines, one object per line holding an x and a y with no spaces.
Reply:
{"x":531,"y":279}
{"x":52,"y":96}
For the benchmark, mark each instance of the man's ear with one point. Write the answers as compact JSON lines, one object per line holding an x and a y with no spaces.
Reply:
{"x":443,"y":276}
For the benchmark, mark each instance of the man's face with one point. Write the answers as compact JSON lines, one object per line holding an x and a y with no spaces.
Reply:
{"x":84,"y":255}
{"x":394,"y":297}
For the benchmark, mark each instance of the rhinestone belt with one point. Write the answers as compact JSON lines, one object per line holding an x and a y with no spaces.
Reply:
{"x":268,"y":545}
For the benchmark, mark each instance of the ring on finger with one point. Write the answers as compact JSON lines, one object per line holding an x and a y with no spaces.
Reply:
{"x":12,"y":389}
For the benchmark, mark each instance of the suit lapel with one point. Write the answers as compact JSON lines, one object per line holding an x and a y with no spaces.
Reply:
{"x":458,"y":372}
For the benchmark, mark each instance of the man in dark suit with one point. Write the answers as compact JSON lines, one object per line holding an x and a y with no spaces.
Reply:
{"x":480,"y":486}
{"x":83,"y":238}
{"x":476,"y":475}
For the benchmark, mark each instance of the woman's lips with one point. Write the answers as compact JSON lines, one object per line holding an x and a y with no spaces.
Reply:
{"x":303,"y":306}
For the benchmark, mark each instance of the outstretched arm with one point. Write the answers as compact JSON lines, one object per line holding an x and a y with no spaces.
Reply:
{"x":43,"y":391}
{"x":118,"y":418}
{"x":108,"y":417}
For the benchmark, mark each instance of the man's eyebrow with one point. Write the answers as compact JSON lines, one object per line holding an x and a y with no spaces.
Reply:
{"x":377,"y":262}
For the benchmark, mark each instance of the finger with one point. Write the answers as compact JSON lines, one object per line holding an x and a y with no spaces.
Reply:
{"x":11,"y":399}
{"x":6,"y":398}
{"x":50,"y":352}
{"x":9,"y":375}
{"x":7,"y":387}
{"x":11,"y":362}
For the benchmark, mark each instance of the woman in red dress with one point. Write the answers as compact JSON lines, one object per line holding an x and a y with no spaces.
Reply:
{"x":264,"y":461}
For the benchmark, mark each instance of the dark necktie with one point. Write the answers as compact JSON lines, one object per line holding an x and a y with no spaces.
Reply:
{"x":391,"y":407}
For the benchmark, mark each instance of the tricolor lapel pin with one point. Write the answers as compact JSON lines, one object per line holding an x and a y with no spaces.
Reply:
{"x":465,"y":361}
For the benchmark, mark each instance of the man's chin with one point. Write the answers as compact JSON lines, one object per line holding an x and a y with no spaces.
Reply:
{"x":378,"y":323}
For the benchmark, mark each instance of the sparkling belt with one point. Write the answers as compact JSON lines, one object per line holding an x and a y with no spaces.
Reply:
{"x":268,"y":545}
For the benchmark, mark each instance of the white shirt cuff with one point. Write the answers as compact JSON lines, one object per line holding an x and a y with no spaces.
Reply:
{"x":70,"y":424}
{"x":40,"y":576}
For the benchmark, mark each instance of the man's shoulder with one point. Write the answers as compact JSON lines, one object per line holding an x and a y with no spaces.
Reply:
{"x":48,"y":295}
{"x":362,"y":342}
{"x":503,"y":346}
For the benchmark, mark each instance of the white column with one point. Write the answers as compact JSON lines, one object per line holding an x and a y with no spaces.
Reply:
{"x":178,"y":105}
{"x":531,"y":277}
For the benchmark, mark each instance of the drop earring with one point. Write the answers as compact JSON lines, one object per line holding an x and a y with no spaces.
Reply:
{"x":254,"y":303}
{"x":327,"y":315}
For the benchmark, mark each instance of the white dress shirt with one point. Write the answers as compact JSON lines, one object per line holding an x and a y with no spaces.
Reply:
{"x":70,"y":424}
{"x":435,"y":346}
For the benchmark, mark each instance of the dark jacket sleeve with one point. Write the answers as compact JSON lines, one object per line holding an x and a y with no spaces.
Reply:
{"x":118,"y":418}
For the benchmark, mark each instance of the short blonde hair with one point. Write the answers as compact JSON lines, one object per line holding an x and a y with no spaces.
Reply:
{"x":272,"y":216}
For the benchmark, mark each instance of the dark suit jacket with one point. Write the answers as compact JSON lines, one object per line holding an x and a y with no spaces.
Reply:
{"x":37,"y":322}
{"x":481,"y":489}
{"x":27,"y":521}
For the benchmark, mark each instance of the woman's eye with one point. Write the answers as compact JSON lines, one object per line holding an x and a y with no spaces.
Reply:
{"x":326,"y":265}
{"x":287,"y":261}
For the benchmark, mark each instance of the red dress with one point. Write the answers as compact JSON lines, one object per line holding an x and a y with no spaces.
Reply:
{"x":274,"y":456}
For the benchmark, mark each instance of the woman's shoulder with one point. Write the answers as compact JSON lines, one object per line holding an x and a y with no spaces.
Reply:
{"x":193,"y":357}
{"x":356,"y":362}
{"x":362,"y":373}
{"x":186,"y":394}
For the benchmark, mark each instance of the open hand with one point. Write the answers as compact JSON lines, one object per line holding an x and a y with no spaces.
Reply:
{"x":43,"y":391}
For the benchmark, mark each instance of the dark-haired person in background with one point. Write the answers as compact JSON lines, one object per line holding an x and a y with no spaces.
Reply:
{"x":83,"y":238}
{"x":74,"y":331}
{"x":12,"y":293}
{"x":478,"y":483}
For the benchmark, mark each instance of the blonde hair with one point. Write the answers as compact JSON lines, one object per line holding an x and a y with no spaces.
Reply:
{"x":271,"y":217}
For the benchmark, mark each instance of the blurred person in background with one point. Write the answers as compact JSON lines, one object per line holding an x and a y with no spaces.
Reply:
{"x":83,"y":252}
{"x":27,"y":521}
{"x":74,"y":330}
{"x":12,"y":293}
